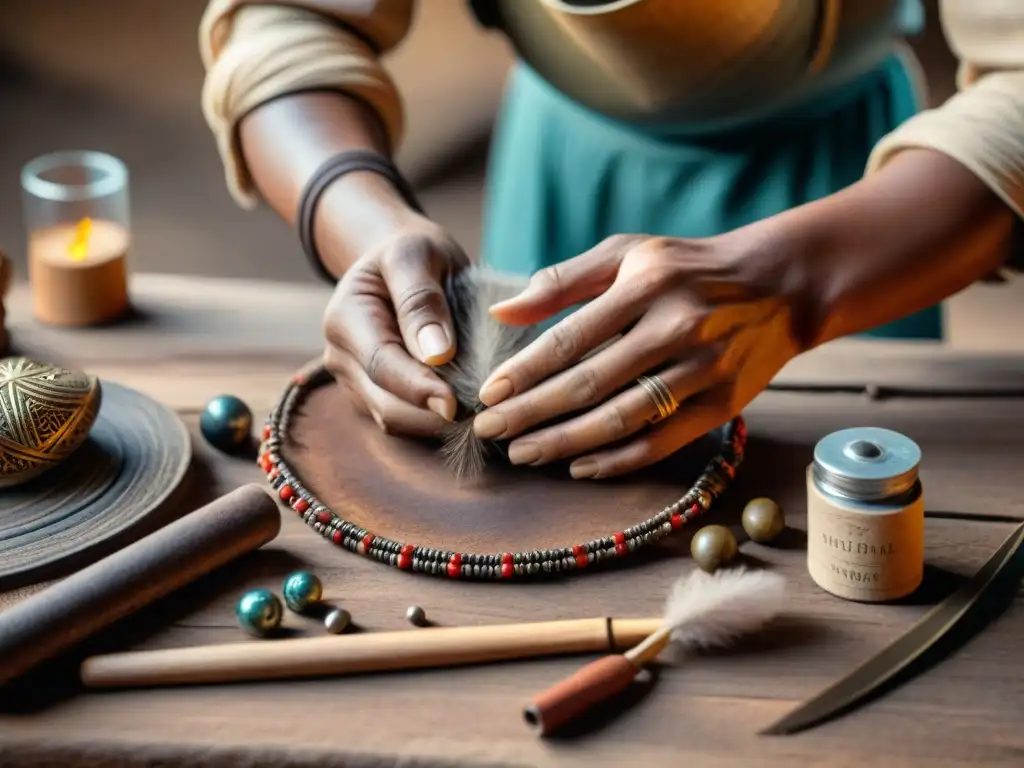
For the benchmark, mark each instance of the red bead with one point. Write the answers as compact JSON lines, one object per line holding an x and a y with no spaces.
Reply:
{"x":407,"y":549}
{"x":265,"y":462}
{"x":618,"y":538}
{"x":286,"y":492}
{"x":404,"y":561}
{"x":266,"y":431}
{"x":300,"y":505}
{"x":506,"y":559}
{"x":455,"y":566}
{"x":274,"y":473}
{"x":622,"y":548}
{"x":578,"y":550}
{"x":677,"y":520}
{"x":323,"y":516}
{"x":337,"y":537}
{"x":368,"y":540}
{"x":507,"y":569}
{"x":695,"y":509}
{"x":582,"y":561}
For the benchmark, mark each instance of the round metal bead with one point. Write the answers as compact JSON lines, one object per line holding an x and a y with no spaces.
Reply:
{"x":712,"y":547}
{"x":259,"y":612}
{"x":337,"y":621}
{"x":416,"y":616}
{"x":226,"y":423}
{"x":302,"y":590}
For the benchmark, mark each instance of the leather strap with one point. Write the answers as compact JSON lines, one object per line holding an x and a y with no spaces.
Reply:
{"x":327,"y":173}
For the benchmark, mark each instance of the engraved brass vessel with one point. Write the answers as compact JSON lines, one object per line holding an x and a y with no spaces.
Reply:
{"x":46,"y":413}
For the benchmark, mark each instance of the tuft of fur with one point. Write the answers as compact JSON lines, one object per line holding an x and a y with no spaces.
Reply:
{"x":483,"y":344}
{"x":704,"y":610}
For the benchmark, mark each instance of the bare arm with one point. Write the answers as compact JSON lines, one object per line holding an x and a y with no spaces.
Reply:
{"x":921,"y":229}
{"x":284,"y":142}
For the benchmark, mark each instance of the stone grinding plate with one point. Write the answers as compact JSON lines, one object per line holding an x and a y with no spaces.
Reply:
{"x":400,"y":488}
{"x":137,"y":454}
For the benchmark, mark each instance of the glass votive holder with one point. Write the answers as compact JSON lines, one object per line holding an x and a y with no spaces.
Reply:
{"x":76,"y":216}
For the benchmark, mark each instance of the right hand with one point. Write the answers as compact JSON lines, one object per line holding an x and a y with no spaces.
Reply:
{"x":388,"y":324}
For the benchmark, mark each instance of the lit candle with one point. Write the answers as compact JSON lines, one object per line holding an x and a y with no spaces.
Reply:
{"x":78,"y":238}
{"x":78,"y":272}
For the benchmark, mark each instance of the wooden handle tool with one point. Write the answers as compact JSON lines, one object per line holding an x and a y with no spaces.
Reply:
{"x":350,"y":654}
{"x":110,"y":589}
{"x":598,"y":681}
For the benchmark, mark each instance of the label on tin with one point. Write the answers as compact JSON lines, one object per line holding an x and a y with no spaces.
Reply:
{"x":871,"y":553}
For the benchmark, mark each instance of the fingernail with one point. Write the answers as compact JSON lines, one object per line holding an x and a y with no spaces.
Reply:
{"x":523,"y":453}
{"x":434,"y":344}
{"x":581,"y":470}
{"x":494,"y":392}
{"x":442,"y":407}
{"x":489,"y":425}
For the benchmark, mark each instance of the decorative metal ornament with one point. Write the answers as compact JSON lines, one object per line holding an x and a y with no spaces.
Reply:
{"x":46,"y":413}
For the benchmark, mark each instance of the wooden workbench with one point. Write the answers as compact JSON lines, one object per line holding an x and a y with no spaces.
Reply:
{"x":195,"y":339}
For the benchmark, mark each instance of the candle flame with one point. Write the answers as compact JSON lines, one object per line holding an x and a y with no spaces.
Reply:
{"x":80,"y":245}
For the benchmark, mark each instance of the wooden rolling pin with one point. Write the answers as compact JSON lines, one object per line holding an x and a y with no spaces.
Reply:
{"x":371,"y":652}
{"x":110,"y":589}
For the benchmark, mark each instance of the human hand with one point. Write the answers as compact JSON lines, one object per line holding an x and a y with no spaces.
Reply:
{"x":388,"y":324}
{"x":707,"y":317}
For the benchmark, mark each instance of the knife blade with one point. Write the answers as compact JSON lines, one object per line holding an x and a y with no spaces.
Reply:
{"x":870,"y":677}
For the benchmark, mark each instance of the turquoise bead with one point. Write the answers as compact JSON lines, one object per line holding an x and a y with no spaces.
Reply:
{"x":226,"y":423}
{"x":302,"y":590}
{"x":259,"y":612}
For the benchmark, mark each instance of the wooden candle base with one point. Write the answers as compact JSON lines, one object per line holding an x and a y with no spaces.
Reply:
{"x":88,"y":287}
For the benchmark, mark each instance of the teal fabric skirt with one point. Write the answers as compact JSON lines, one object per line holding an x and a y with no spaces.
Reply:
{"x":562,"y":178}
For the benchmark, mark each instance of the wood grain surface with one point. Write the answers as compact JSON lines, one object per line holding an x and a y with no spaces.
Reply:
{"x":213,"y":337}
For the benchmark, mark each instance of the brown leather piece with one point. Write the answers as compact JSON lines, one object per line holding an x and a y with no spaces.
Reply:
{"x":71,"y":610}
{"x":400,"y":488}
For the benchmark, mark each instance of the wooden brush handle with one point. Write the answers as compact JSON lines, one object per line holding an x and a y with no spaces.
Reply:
{"x":349,"y":654}
{"x":573,"y":696}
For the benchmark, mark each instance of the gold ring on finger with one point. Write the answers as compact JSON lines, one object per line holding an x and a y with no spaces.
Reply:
{"x":661,"y":395}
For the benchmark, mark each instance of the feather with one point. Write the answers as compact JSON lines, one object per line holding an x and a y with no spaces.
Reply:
{"x":482,"y":344}
{"x":712,"y":609}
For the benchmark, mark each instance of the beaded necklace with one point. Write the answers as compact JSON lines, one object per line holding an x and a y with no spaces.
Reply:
{"x":466,"y":565}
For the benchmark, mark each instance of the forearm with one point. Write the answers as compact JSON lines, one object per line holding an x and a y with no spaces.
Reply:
{"x":914,"y":233}
{"x":286,"y":140}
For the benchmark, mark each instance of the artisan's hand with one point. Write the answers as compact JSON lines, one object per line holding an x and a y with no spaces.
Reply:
{"x":388,"y":323}
{"x":693,"y":312}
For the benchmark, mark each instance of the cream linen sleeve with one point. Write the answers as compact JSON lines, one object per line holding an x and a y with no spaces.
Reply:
{"x":255,"y":52}
{"x":982,"y":126}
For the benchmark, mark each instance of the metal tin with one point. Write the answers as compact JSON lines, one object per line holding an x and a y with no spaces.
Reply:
{"x":865,"y":515}
{"x":867,"y":464}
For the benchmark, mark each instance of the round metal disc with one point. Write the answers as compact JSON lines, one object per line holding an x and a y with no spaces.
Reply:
{"x":137,"y":454}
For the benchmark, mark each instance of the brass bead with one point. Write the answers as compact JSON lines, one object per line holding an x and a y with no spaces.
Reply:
{"x":712,"y":547}
{"x":763,"y":520}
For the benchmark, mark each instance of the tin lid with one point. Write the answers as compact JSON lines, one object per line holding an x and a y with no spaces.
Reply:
{"x":866,"y":463}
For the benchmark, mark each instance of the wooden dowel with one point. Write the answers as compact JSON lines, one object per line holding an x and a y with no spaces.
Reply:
{"x":370,"y":652}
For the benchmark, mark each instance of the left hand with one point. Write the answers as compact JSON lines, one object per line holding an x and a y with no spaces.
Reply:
{"x":704,"y":316}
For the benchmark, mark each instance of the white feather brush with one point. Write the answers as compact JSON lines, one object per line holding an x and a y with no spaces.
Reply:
{"x":482,"y":345}
{"x":702,"y":611}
